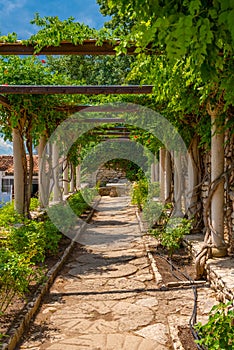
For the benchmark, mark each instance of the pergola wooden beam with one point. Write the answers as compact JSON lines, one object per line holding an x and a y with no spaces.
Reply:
{"x":88,"y":47}
{"x":98,"y":108}
{"x":96,"y":120}
{"x":81,"y":90}
{"x":110,"y":133}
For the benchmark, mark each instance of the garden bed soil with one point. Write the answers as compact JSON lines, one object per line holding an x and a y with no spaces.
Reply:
{"x":186,"y":338}
{"x":175,"y":269}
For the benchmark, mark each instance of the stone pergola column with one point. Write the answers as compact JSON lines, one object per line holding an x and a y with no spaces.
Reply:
{"x":217,"y":202}
{"x":78,"y":177}
{"x":55,"y":165}
{"x":168,"y":176}
{"x":156,"y":170}
{"x":42,"y":183}
{"x":193,"y":177}
{"x":72,"y":184}
{"x":177,"y":212}
{"x":162,"y":158}
{"x":152,"y":173}
{"x":65,"y":179}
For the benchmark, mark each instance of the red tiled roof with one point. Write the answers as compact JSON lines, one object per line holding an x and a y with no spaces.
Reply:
{"x":7,"y":164}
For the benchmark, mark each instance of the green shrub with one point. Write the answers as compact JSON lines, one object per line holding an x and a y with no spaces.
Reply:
{"x":78,"y":204}
{"x":154,"y":189}
{"x":152,"y":212}
{"x":9,"y":217}
{"x":88,"y":194}
{"x":34,"y":204}
{"x":28,"y":243}
{"x":16,"y":273}
{"x":218,"y":332}
{"x":172,"y":234}
{"x":62,"y":216}
{"x":139,"y":193}
{"x":52,"y":237}
{"x":36,"y":239}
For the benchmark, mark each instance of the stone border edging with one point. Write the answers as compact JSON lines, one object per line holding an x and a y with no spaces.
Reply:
{"x":157,"y":275}
{"x":177,"y":345}
{"x":32,"y":307}
{"x":224,"y":291}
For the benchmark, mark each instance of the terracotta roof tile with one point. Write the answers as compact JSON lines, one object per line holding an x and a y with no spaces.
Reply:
{"x":7,"y":164}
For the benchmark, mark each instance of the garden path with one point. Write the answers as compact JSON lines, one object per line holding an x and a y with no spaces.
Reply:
{"x":106,"y":296}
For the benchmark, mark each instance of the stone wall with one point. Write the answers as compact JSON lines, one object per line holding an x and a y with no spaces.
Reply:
{"x":106,"y":175}
{"x":221,"y":280}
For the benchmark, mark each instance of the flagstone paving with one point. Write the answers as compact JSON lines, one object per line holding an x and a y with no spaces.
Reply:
{"x":106,"y":297}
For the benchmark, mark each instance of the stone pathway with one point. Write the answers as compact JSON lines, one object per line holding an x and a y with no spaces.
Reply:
{"x":106,"y":297}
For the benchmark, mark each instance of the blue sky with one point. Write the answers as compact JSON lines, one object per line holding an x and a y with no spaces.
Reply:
{"x":15,"y":15}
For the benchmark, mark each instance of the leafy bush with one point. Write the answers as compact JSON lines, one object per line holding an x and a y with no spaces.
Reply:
{"x":28,"y":239}
{"x":139,"y":193}
{"x":8,"y":216}
{"x":52,"y":237}
{"x":62,"y":216}
{"x":152,"y":212}
{"x":172,"y":234}
{"x":218,"y":332}
{"x":78,"y":204}
{"x":34,"y":204}
{"x":36,"y":239}
{"x":16,"y":273}
{"x":87,"y":195}
{"x":27,"y":245}
{"x":154,"y":189}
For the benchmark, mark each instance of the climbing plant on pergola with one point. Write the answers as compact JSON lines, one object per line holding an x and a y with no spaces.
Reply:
{"x":191,"y":81}
{"x":24,"y":126}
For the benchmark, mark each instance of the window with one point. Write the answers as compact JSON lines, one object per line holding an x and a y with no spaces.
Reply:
{"x":7,"y":185}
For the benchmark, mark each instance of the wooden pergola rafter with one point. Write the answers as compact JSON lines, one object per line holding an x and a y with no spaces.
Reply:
{"x":88,"y":47}
{"x":71,"y":89}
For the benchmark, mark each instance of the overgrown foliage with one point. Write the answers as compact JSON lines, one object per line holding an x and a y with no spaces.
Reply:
{"x":139,"y":192}
{"x":25,"y":247}
{"x":171,"y":234}
{"x":218,"y":332}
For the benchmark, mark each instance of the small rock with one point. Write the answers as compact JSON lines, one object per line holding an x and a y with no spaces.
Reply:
{"x":49,"y":309}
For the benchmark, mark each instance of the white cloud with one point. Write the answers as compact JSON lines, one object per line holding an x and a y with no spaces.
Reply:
{"x":86,"y":20}
{"x":5,"y":147}
{"x":7,"y":6}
